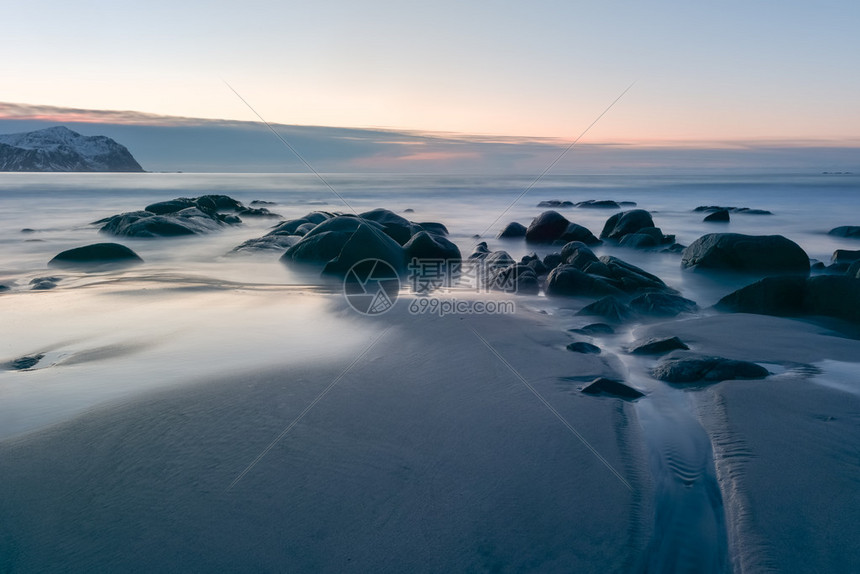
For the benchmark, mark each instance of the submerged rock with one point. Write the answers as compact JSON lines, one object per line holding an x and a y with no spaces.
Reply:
{"x":745,"y":210}
{"x":95,"y":256}
{"x":657,"y":346}
{"x":594,"y":329}
{"x":555,"y":203}
{"x":613,"y":388}
{"x":846,"y":231}
{"x":567,"y":280}
{"x":662,"y":304}
{"x":609,"y":308}
{"x":702,"y":369}
{"x":23,"y":363}
{"x":583,"y":347}
{"x":718,"y":216}
{"x":44,"y":283}
{"x":746,"y":254}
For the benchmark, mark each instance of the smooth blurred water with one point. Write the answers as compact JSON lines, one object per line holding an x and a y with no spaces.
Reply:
{"x":60,"y":208}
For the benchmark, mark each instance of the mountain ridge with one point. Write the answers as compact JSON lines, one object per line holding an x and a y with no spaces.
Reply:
{"x":60,"y":149}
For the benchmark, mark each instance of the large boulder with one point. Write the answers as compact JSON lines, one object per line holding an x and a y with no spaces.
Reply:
{"x":95,"y":256}
{"x":701,"y":369}
{"x":757,"y":254}
{"x":578,"y":254}
{"x":428,"y":246}
{"x":825,"y":295}
{"x":143,"y":224}
{"x":397,"y":227}
{"x":625,"y":223}
{"x":576,"y":232}
{"x":547,"y":227}
{"x":338,"y":243}
{"x":846,"y":256}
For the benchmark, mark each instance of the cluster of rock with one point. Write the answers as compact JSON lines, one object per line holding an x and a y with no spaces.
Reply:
{"x":333,"y":243}
{"x":588,"y":204}
{"x":181,"y":216}
{"x":634,"y":228}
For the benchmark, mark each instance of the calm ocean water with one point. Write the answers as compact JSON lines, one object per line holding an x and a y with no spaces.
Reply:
{"x":60,"y":207}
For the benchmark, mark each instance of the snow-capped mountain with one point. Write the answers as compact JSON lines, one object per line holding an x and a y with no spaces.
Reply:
{"x":61,"y":149}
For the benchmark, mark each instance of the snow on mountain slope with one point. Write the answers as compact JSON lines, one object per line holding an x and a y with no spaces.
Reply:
{"x":61,"y":149}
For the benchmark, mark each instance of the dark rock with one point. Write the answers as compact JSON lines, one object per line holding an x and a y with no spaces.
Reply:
{"x":599,"y":204}
{"x":824,"y":295}
{"x":746,"y":254}
{"x":395,"y":226}
{"x":846,"y":231}
{"x":701,"y":369}
{"x":657,"y":346}
{"x":567,"y":280}
{"x":583,"y":347}
{"x":674,"y":248}
{"x":95,"y":256}
{"x":28,"y":230}
{"x":552,"y":260}
{"x":854,"y":270}
{"x":538,"y":267}
{"x":578,"y":254}
{"x":626,"y":222}
{"x":517,"y":278}
{"x":255,"y":212}
{"x":745,"y":210}
{"x":547,"y":227}
{"x":267,"y":243}
{"x":430,"y":227}
{"x":338,"y":243}
{"x":576,"y":232}
{"x":513,"y":229}
{"x":481,"y":251}
{"x":170,"y":206}
{"x":818,"y":266}
{"x":555,"y":203}
{"x":662,"y":304}
{"x":833,"y":296}
{"x":189,"y":221}
{"x":718,"y":216}
{"x":837,"y":268}
{"x":781,"y":296}
{"x":638,"y":241}
{"x":594,"y":329}
{"x":610,"y":308}
{"x":305,"y":228}
{"x":604,"y":386}
{"x":4,"y":288}
{"x":408,"y":210}
{"x":631,"y":278}
{"x":425,"y":246}
{"x":44,"y":283}
{"x":262,"y":202}
{"x":24,"y":363}
{"x":845,"y":256}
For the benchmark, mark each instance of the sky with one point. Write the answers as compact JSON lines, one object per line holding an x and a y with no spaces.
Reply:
{"x":728,"y":71}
